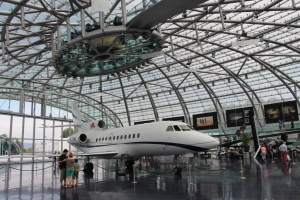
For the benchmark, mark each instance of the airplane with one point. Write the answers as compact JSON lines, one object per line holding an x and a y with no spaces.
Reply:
{"x":151,"y":139}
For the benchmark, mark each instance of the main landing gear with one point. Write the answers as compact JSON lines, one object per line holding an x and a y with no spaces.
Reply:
{"x":177,"y":170}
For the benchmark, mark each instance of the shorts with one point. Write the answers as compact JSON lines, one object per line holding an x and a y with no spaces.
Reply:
{"x":70,"y":172}
{"x":75,"y":175}
{"x":62,"y":175}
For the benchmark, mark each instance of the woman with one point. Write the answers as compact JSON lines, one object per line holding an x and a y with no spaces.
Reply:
{"x":70,"y":170}
{"x":263,"y":152}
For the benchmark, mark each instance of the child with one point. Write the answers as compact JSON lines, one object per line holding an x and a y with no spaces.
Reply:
{"x":76,"y":172}
{"x":70,"y":169}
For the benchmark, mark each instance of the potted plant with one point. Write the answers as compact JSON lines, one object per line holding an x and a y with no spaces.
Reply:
{"x":245,"y":139}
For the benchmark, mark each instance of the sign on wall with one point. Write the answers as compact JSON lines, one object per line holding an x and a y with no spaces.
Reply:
{"x":237,"y":117}
{"x":283,"y":111}
{"x":179,"y":119}
{"x":205,"y":121}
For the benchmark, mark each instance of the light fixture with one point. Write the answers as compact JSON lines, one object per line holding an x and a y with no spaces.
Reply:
{"x":189,"y":62}
{"x":156,"y":94}
{"x":184,"y":14}
{"x":170,"y":92}
{"x":143,"y":97}
{"x":91,"y":86}
{"x":122,"y":39}
{"x":183,"y":89}
{"x":267,"y":44}
{"x":168,"y":68}
{"x":205,"y":8}
{"x":255,"y":15}
{"x":128,"y":78}
{"x":107,"y":78}
{"x":213,"y":55}
{"x":213,"y":83}
{"x":288,"y":26}
{"x":246,"y":76}
{"x":228,"y":80}
{"x":224,"y":16}
{"x":198,"y":86}
{"x":244,"y":33}
{"x":119,"y":102}
{"x":206,"y":33}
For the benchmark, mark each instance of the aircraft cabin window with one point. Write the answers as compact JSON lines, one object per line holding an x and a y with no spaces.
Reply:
{"x":121,"y":137}
{"x":170,"y":128}
{"x":184,"y":128}
{"x":114,"y":138}
{"x":96,"y":139}
{"x":176,"y":128}
{"x":191,"y":127}
{"x":129,"y":136}
{"x":133,"y":136}
{"x":117,"y":137}
{"x":109,"y":138}
{"x":138,"y":135}
{"x":125,"y":136}
{"x":105,"y":138}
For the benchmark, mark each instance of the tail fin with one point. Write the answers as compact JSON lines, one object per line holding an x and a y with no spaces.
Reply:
{"x":78,"y":119}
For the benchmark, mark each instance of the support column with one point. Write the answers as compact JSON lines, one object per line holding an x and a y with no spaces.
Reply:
{"x":58,"y":37}
{"x":221,"y":16}
{"x":124,"y":12}
{"x":172,"y":47}
{"x":3,"y":50}
{"x":10,"y":136}
{"x":82,"y":16}
{"x":101,"y":21}
{"x":68,"y":29}
{"x":43,"y":105}
{"x":22,"y":17}
{"x":253,"y":128}
{"x":21,"y":108}
{"x":197,"y":35}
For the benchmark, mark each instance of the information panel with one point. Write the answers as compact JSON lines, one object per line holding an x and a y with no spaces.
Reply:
{"x":284,"y":111}
{"x":237,"y":117}
{"x":179,"y":119}
{"x":205,"y":121}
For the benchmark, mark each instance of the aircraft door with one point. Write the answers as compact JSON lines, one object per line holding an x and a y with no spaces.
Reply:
{"x":110,"y":138}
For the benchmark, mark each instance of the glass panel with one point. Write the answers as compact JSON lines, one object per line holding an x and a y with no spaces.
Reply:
{"x":184,"y":128}
{"x":177,"y":128}
{"x":170,"y":128}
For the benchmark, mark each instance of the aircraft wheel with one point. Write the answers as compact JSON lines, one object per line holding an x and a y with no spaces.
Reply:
{"x":177,"y":170}
{"x":129,"y":163}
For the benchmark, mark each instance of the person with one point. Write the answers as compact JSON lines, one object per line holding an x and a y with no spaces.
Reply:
{"x":62,"y":167}
{"x":279,"y":124}
{"x":70,"y":170}
{"x":239,"y":131}
{"x":54,"y":159}
{"x":283,"y":150}
{"x":76,"y":172}
{"x":263,"y":152}
{"x":292,"y":123}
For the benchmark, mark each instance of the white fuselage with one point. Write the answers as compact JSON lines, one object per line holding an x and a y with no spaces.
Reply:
{"x":150,"y":139}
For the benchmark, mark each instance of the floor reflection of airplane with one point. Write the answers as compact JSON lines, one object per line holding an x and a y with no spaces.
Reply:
{"x":151,"y":139}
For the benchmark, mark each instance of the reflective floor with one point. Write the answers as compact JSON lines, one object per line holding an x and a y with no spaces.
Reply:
{"x":204,"y":179}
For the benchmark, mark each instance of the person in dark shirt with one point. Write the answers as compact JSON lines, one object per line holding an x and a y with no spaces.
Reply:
{"x":62,"y":167}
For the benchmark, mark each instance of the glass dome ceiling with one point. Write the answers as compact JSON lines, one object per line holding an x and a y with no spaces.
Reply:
{"x":220,"y":55}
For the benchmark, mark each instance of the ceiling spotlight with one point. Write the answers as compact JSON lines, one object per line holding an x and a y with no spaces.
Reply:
{"x":205,"y":8}
{"x":213,"y":83}
{"x":288,"y":26}
{"x":228,"y":80}
{"x":40,"y":56}
{"x":107,"y":78}
{"x":122,"y":39}
{"x":246,"y":76}
{"x":128,"y":78}
{"x":189,"y":62}
{"x":119,"y":102}
{"x":255,"y":15}
{"x":213,"y":55}
{"x":91,"y":86}
{"x":206,"y":33}
{"x":267,"y":44}
{"x":224,"y":16}
{"x":184,"y":14}
{"x":198,"y":86}
{"x":244,"y":33}
{"x":168,"y":68}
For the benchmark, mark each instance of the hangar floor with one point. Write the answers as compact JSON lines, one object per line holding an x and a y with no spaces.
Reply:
{"x":207,"y":179}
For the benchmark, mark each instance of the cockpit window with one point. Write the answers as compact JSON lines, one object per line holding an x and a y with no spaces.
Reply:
{"x":184,"y":128}
{"x":170,"y":128}
{"x":177,"y":128}
{"x":191,"y":127}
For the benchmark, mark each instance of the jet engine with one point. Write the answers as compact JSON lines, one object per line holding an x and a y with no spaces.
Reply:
{"x":82,"y":138}
{"x":101,"y":124}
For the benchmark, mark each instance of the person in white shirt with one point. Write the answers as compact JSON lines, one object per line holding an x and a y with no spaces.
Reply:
{"x":283,"y":150}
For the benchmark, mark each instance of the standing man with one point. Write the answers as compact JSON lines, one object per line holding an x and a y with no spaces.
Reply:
{"x":62,"y":167}
{"x":283,"y":149}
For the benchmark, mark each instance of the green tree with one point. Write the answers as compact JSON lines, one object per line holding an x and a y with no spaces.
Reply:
{"x":3,"y":135}
{"x":29,"y":149}
{"x":67,"y":132}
